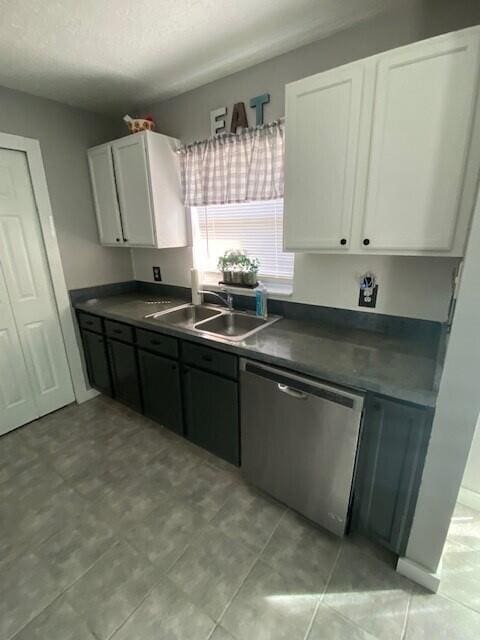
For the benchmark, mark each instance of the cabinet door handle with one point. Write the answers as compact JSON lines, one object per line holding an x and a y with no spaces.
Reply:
{"x":366,"y":242}
{"x":156,"y":343}
{"x":343,"y":241}
{"x":207,"y":358}
{"x":117,"y":239}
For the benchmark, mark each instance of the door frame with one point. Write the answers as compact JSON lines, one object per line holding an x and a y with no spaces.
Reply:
{"x":32,"y":150}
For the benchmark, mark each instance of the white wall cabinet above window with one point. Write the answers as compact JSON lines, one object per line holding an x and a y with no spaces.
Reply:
{"x":137,"y":192}
{"x":382,"y":154}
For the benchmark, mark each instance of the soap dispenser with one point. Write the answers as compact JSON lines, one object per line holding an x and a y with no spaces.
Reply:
{"x":261,"y":301}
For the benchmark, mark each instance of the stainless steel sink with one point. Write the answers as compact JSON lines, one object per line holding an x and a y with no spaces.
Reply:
{"x":234,"y":325}
{"x":187,"y":315}
{"x":215,"y":321}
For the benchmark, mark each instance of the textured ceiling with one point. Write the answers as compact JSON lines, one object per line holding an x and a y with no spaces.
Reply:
{"x":105,"y":55}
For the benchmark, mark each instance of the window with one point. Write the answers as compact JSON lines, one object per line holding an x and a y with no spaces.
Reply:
{"x":255,"y":227}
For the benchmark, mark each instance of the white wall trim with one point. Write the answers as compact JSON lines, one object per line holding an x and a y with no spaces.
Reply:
{"x":469,"y":498}
{"x":31,"y":148}
{"x":418,"y":574}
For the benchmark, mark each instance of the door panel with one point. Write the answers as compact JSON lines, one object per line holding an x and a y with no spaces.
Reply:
{"x":390,"y":464}
{"x":424,"y":106}
{"x":322,"y":133}
{"x":133,"y":185}
{"x":123,"y":365}
{"x":105,"y":195}
{"x":162,"y":398}
{"x":42,"y":357}
{"x":17,"y":405}
{"x":211,"y":413}
{"x":95,"y":350}
{"x":29,"y":288}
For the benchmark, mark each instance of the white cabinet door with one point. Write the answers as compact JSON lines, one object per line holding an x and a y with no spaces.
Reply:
{"x":133,"y":186}
{"x":322,"y":133}
{"x":424,"y":105}
{"x":105,"y":195}
{"x":17,"y":405}
{"x":27,"y":279}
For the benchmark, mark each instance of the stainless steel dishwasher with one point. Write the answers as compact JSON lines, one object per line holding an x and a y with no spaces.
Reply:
{"x":299,"y":441}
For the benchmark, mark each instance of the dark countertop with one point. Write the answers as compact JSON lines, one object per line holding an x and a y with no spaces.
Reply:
{"x":399,"y":368}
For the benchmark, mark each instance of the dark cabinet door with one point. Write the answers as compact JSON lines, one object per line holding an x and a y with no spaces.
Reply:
{"x":94,"y":346}
{"x":391,"y":458}
{"x":211,"y":413}
{"x":123,"y":365}
{"x":161,"y":390}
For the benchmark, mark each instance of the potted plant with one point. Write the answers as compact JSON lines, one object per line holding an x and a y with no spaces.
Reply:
{"x":238,"y":268}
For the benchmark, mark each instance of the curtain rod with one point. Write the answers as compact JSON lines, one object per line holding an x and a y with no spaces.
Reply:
{"x":227,"y":135}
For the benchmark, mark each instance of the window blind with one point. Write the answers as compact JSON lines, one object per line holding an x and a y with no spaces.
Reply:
{"x":254,"y":227}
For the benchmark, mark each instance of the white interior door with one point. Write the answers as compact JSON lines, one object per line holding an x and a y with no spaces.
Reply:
{"x":28,"y":283}
{"x":322,"y":133}
{"x":17,"y":405}
{"x":133,"y":186}
{"x":105,"y":195}
{"x":423,"y":110}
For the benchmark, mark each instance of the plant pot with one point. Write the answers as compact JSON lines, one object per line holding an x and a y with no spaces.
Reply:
{"x":240,"y":277}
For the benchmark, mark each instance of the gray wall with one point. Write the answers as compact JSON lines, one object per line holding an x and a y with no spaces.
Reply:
{"x":187,"y":116}
{"x":471,"y":477}
{"x":65,"y":134}
{"x":406,"y":284}
{"x":457,"y":411}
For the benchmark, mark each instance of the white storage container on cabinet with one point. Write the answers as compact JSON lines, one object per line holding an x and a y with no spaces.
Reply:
{"x":137,"y":192}
{"x":392,"y":171}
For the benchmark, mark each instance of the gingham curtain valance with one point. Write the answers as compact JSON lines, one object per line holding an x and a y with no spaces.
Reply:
{"x":234,"y":167}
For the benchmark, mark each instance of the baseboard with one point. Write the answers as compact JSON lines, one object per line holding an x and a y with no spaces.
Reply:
{"x":469,"y":498}
{"x":420,"y":575}
{"x":86,"y":395}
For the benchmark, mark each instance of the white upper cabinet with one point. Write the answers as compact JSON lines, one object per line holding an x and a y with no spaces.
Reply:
{"x":424,"y":105}
{"x":105,"y":195}
{"x":322,"y":134}
{"x":384,"y":153}
{"x":133,"y":187}
{"x":137,"y":192}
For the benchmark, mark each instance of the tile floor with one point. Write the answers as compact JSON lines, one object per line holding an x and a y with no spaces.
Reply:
{"x":112,"y":527}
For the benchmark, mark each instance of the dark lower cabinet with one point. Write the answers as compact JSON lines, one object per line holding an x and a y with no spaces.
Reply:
{"x":211,"y":413}
{"x":391,"y":457}
{"x":94,"y":346}
{"x":124,"y":369}
{"x":201,"y":401}
{"x":161,"y":390}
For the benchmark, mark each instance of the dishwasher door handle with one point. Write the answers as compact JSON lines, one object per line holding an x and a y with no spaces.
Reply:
{"x":299,"y":395}
{"x":301,"y":387}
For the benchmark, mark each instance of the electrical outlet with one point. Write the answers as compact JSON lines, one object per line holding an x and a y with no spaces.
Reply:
{"x":368,"y":300}
{"x":157,"y":274}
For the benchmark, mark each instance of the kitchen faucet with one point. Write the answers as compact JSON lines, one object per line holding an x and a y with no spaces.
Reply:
{"x":227,"y":300}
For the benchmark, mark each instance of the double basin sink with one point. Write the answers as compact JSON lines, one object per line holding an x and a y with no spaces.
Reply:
{"x":209,"y":319}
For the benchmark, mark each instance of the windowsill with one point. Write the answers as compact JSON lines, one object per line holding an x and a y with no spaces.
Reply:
{"x":276,"y":289}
